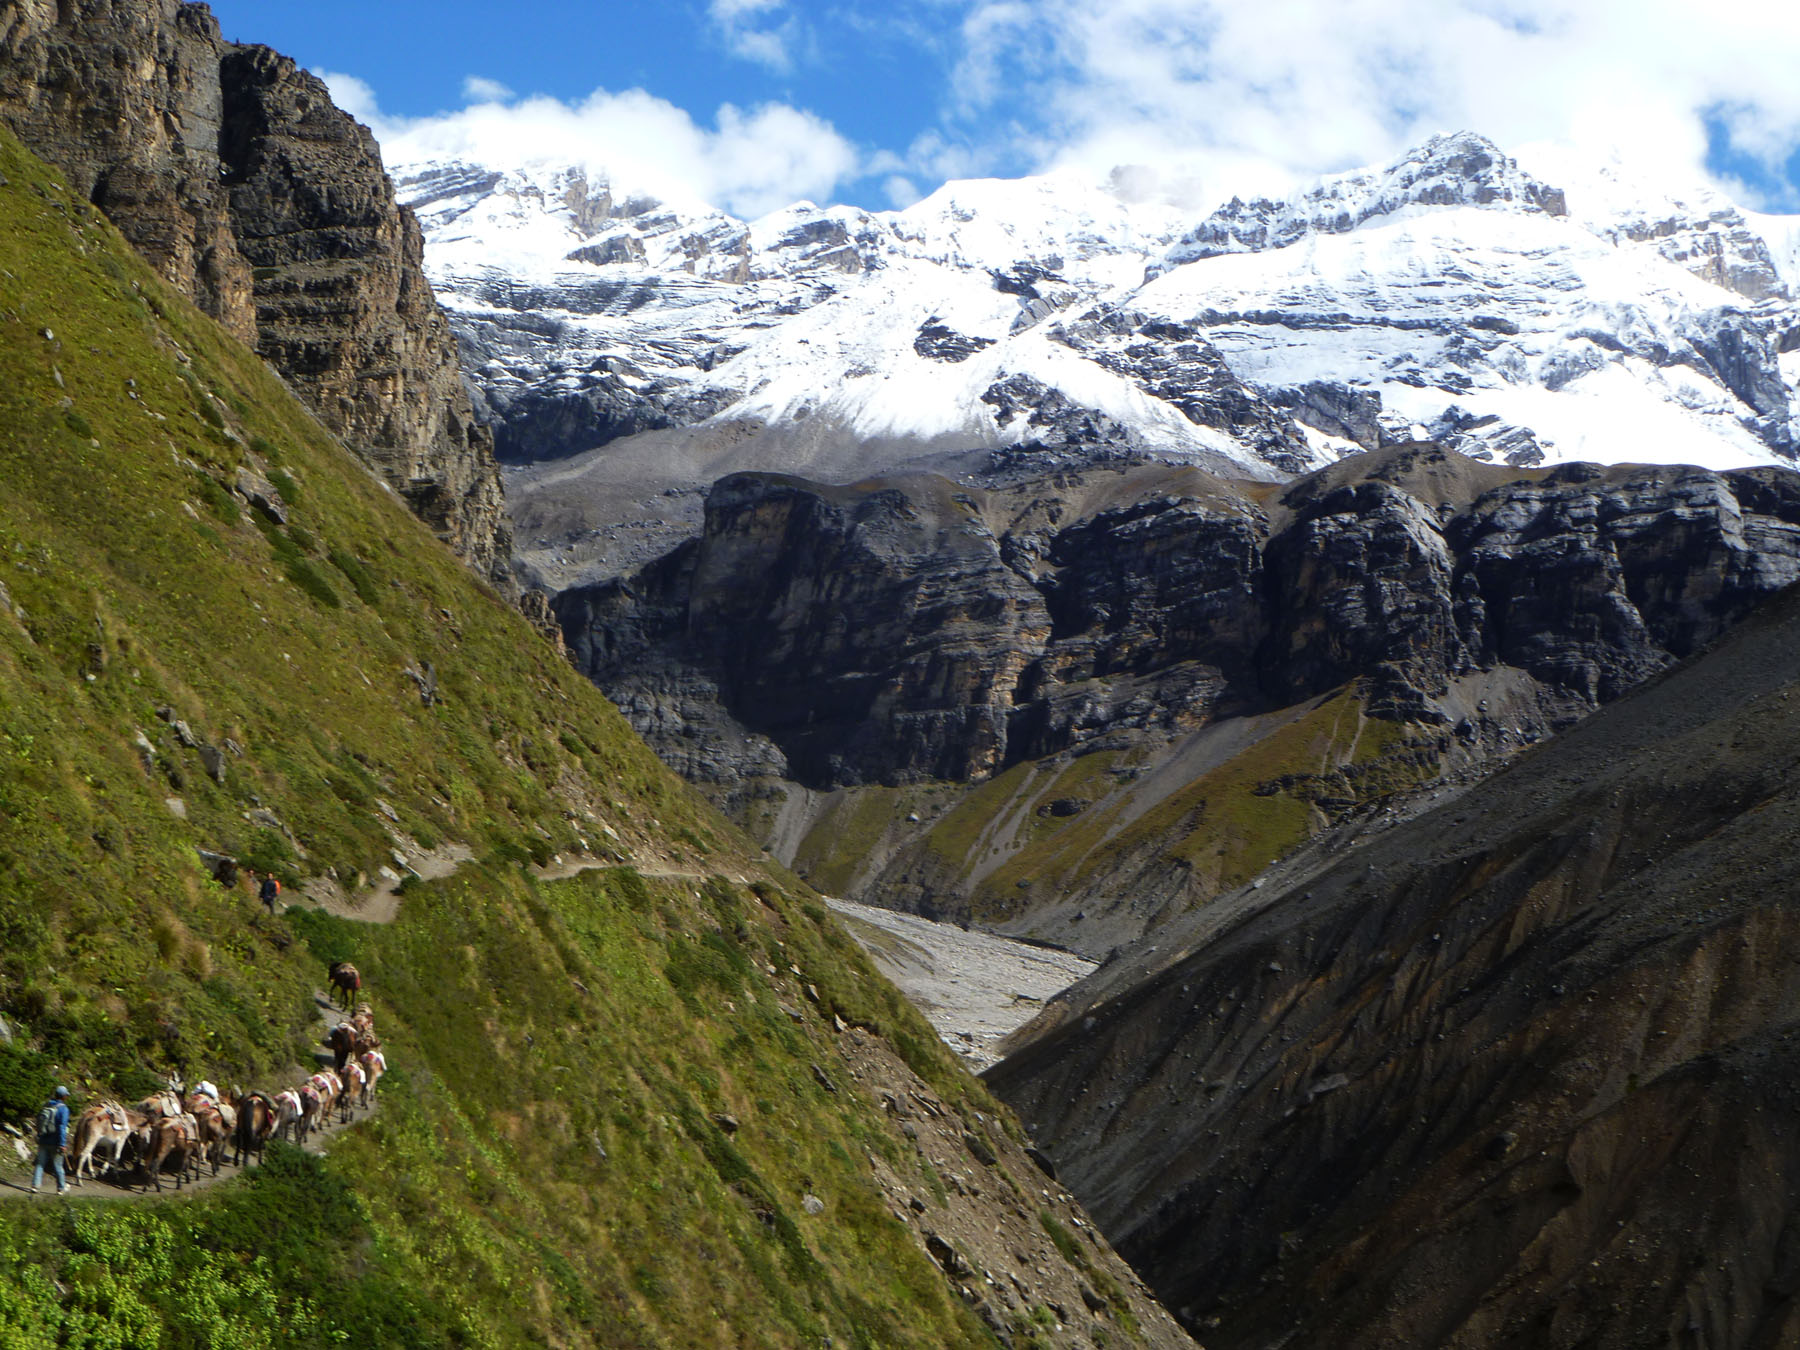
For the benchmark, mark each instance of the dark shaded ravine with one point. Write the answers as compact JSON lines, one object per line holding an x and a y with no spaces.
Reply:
{"x":1518,"y":1073}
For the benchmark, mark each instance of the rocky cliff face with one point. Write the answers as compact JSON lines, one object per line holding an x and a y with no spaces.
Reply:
{"x":230,"y":169}
{"x":1520,"y":1072}
{"x":912,"y":629}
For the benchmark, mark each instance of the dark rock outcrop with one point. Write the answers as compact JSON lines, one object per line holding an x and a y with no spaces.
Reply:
{"x":858,"y":629}
{"x":909,"y":629}
{"x":230,"y":169}
{"x":1519,"y":1072}
{"x":1177,"y":363}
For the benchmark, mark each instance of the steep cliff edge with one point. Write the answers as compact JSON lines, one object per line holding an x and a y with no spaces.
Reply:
{"x":1518,"y":1073}
{"x":1132,"y":667}
{"x":232,"y":172}
{"x":664,"y":1107}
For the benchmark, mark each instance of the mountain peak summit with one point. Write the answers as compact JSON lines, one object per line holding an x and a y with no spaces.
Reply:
{"x":1459,"y":169}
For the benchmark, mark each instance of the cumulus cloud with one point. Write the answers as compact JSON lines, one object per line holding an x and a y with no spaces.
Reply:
{"x":1199,"y":98}
{"x":480,"y":89}
{"x":760,"y":31}
{"x":1260,"y":97}
{"x":749,"y":161}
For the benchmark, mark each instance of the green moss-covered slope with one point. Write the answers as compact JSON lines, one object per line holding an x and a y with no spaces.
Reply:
{"x":1142,"y":833}
{"x":610,"y":1095}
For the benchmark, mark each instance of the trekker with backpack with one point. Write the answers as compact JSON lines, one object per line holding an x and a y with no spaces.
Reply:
{"x":52,"y":1134}
{"x":269,"y":890}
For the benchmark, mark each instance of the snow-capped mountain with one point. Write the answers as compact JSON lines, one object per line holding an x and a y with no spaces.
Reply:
{"x":1534,"y":309}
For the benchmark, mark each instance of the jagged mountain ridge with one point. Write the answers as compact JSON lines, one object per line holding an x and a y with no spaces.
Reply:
{"x":1530,"y":315}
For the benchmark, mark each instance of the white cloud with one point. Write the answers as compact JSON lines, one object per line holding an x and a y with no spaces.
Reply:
{"x":480,"y":89}
{"x":750,"y":161}
{"x":1202,"y":98}
{"x":900,"y":191}
{"x":354,"y":96}
{"x":759,"y":31}
{"x":1255,"y":97}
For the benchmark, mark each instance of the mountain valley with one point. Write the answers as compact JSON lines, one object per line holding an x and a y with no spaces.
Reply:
{"x":1517,"y":1072}
{"x":1350,"y":637}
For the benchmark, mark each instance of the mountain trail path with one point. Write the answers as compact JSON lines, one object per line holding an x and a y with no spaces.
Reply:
{"x":132,"y":1184}
{"x":380,"y":903}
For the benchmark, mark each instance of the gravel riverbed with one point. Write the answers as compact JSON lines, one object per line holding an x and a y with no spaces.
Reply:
{"x":973,"y":987}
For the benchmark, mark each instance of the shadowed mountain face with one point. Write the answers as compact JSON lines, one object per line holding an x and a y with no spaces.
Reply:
{"x":1081,"y":704}
{"x":910,"y":628}
{"x":1518,"y":1073}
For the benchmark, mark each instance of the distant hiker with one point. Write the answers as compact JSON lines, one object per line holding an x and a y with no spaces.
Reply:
{"x":269,"y":891}
{"x":52,"y":1134}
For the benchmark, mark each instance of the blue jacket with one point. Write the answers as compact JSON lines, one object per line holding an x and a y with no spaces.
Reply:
{"x":62,"y":1122}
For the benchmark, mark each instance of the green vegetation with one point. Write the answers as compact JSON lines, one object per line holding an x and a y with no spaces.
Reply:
{"x":1232,"y":822}
{"x":179,"y":671}
{"x":835,"y":855}
{"x":1056,"y":825}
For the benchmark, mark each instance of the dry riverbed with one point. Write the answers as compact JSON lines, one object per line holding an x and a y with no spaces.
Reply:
{"x":974,"y":988}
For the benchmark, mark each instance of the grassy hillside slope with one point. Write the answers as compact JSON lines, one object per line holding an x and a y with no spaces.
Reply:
{"x":1089,"y":850}
{"x":615,"y":1098}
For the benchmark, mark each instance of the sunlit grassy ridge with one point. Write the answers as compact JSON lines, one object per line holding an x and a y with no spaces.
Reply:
{"x":180,"y":670}
{"x":1056,"y":826}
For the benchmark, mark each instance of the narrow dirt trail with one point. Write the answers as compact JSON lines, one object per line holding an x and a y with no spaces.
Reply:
{"x":134,"y":1185}
{"x":381,"y":904}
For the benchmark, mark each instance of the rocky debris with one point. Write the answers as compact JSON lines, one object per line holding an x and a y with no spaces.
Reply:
{"x":973,"y":987}
{"x":183,"y":732}
{"x":231,"y":171}
{"x":936,"y":342}
{"x":224,"y":869}
{"x":426,"y":679}
{"x":994,"y":626}
{"x":260,"y":493}
{"x":1526,"y":1058}
{"x":1014,"y":1244}
{"x":212,"y":759}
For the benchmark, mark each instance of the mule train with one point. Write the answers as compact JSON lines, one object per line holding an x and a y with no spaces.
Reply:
{"x":183,"y":1131}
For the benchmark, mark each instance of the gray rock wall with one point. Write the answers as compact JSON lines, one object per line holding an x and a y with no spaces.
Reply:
{"x":230,"y":169}
{"x":911,"y":629}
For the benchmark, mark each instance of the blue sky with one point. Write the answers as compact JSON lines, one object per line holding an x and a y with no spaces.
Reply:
{"x":753,"y":103}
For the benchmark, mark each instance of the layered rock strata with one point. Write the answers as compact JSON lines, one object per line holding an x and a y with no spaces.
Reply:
{"x":230,"y":169}
{"x":1520,"y":1072}
{"x":910,"y":628}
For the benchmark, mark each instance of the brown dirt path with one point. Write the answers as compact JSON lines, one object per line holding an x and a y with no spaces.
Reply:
{"x":381,"y":904}
{"x":15,"y":1182}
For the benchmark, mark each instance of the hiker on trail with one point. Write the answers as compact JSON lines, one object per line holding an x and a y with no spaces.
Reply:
{"x":269,"y":891}
{"x":52,"y":1134}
